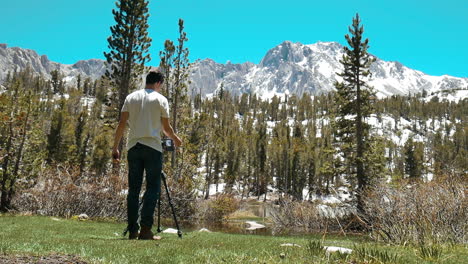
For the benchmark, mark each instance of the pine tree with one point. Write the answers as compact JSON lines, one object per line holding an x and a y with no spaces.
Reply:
{"x":129,"y":45}
{"x":175,"y":65}
{"x":55,"y":135}
{"x":354,"y":101}
{"x":18,"y":106}
{"x":56,"y":81}
{"x":260,"y":158}
{"x":166,"y":63}
{"x":78,"y":82}
{"x":413,"y":159}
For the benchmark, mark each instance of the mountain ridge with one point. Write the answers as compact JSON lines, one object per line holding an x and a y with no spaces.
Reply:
{"x":286,"y":68}
{"x":297,"y":68}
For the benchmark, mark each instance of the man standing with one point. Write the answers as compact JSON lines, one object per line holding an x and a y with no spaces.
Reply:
{"x":147,"y":113}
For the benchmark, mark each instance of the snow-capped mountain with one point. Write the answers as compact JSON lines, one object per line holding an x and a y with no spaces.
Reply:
{"x":286,"y":68}
{"x":298,"y":68}
{"x":18,"y":59}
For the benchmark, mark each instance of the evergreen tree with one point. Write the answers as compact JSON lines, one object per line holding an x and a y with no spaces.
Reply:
{"x":180,"y":103}
{"x":56,"y":81}
{"x":413,"y":159}
{"x":55,"y":135}
{"x":261,"y":139}
{"x":354,"y":101}
{"x":166,"y":64}
{"x":175,"y":66}
{"x":129,"y":45}
{"x":19,"y":105}
{"x":78,"y":82}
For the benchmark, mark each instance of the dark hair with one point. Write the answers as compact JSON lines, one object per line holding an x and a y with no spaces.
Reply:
{"x":154,"y":77}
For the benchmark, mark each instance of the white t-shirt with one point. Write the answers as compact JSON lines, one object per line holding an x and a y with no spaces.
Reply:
{"x":145,"y":108}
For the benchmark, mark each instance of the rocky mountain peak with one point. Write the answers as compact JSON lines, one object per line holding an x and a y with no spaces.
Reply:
{"x":298,"y":68}
{"x":286,"y":68}
{"x":16,"y":58}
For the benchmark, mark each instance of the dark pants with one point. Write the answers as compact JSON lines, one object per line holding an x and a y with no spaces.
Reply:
{"x":143,"y":158}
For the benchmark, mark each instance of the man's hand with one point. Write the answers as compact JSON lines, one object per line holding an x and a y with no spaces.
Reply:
{"x":168,"y":131}
{"x":115,"y":155}
{"x":118,"y":136}
{"x":177,"y":141}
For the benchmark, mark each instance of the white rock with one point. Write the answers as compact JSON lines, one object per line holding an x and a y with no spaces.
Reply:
{"x":83,"y":217}
{"x":338,"y":249}
{"x":55,"y":219}
{"x":204,"y":230}
{"x":290,"y":245}
{"x":170,"y":231}
{"x":254,"y":225}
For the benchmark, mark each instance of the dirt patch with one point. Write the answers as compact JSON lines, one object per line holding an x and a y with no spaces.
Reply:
{"x":51,"y":259}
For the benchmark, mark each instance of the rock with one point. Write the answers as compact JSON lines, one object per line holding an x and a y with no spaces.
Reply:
{"x":83,"y":217}
{"x":204,"y":230}
{"x":170,"y":231}
{"x":338,"y":249}
{"x":254,"y":225}
{"x":290,"y":245}
{"x":55,"y":219}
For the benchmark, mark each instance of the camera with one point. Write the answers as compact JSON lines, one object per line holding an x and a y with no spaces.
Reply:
{"x":168,"y":144}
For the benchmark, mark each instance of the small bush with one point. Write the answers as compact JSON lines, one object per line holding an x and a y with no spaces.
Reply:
{"x":310,"y":217}
{"x":183,"y":199}
{"x":219,"y":207}
{"x":61,"y":194}
{"x":423,"y":213}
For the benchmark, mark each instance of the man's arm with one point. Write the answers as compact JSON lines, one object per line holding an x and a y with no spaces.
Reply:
{"x":119,"y":134}
{"x":169,"y":131}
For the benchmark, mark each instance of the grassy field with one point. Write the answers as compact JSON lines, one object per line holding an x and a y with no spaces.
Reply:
{"x":101,"y":242}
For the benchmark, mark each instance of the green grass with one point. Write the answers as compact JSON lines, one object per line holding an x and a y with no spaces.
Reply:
{"x":96,"y":242}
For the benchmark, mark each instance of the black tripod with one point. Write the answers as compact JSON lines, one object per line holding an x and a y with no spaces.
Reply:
{"x":179,"y":233}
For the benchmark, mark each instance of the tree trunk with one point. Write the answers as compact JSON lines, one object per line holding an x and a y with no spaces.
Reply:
{"x":208,"y":175}
{"x":4,"y":206}
{"x":360,"y":148}
{"x":18,"y":157}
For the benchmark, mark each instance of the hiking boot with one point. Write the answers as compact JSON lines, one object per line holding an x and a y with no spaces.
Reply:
{"x":146,"y":234}
{"x":133,"y":235}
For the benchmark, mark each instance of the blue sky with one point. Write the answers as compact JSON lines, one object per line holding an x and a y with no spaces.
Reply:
{"x":427,"y":35}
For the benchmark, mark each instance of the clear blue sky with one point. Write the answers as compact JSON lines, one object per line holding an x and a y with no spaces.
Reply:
{"x":427,"y":35}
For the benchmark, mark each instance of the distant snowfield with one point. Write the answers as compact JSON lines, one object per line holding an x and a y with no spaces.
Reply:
{"x":451,"y":96}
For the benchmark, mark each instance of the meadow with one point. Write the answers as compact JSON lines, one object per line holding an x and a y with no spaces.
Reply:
{"x":32,"y":237}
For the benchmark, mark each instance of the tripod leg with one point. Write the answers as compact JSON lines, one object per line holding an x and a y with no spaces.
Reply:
{"x":163,"y":175}
{"x":159,"y":213}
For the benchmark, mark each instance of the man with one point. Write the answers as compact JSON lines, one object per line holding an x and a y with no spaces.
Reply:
{"x":147,"y":113}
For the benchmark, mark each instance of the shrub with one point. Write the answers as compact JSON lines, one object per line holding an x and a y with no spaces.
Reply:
{"x":183,"y":199}
{"x":422,"y":213}
{"x":182,"y":191}
{"x":310,"y":216}
{"x":62,"y":194}
{"x":217,"y":208}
